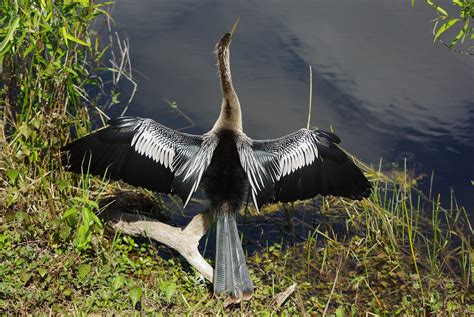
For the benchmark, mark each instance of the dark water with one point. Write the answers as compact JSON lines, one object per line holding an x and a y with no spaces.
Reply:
{"x":378,"y":79}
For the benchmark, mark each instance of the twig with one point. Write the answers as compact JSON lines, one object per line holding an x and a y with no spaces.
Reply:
{"x":333,"y":286}
{"x":281,"y":297}
{"x":102,"y":115}
{"x":455,"y":50}
{"x":173,"y":105}
{"x":300,"y":303}
{"x":121,"y":65}
{"x":310,"y":96}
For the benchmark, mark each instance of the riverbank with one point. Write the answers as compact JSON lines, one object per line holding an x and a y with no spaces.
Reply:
{"x":399,"y":252}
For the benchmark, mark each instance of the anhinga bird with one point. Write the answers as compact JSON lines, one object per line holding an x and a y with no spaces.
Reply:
{"x":226,"y":163}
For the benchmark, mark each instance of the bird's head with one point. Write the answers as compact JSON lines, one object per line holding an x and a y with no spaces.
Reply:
{"x":224,"y":43}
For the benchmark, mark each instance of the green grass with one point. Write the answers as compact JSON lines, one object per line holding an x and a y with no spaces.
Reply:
{"x":400,"y":252}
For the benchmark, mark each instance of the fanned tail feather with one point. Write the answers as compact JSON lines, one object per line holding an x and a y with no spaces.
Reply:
{"x":231,"y":276}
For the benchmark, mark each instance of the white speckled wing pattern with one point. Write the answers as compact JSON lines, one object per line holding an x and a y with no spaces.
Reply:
{"x":187,"y":156}
{"x":302,"y":165}
{"x":156,"y":142}
{"x":259,"y":178}
{"x":192,"y":169}
{"x":289,"y":153}
{"x":144,"y":153}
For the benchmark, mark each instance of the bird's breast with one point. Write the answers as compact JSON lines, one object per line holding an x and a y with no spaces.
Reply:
{"x":225,"y":180}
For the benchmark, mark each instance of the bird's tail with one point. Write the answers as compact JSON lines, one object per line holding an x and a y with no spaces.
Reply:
{"x":231,"y":276}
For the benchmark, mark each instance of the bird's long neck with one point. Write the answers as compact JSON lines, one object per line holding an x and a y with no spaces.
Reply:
{"x":231,"y":115}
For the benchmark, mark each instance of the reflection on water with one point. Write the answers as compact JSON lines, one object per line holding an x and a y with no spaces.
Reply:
{"x":379,"y":81}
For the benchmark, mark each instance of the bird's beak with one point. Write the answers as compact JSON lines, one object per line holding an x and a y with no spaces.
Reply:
{"x":224,"y":42}
{"x":234,"y":27}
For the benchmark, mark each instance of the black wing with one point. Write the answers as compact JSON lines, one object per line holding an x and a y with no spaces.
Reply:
{"x":142,"y":153}
{"x":306,"y":163}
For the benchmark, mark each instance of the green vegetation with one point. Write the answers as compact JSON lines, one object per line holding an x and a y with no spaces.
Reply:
{"x":461,"y":21}
{"x":400,"y":252}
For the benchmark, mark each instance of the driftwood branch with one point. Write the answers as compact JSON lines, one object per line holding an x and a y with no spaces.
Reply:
{"x":184,"y":240}
{"x":280,"y":298}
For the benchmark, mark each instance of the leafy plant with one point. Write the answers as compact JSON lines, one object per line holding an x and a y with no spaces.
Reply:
{"x":462,"y":19}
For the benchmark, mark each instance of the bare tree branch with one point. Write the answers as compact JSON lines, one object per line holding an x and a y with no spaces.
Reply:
{"x":184,"y":240}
